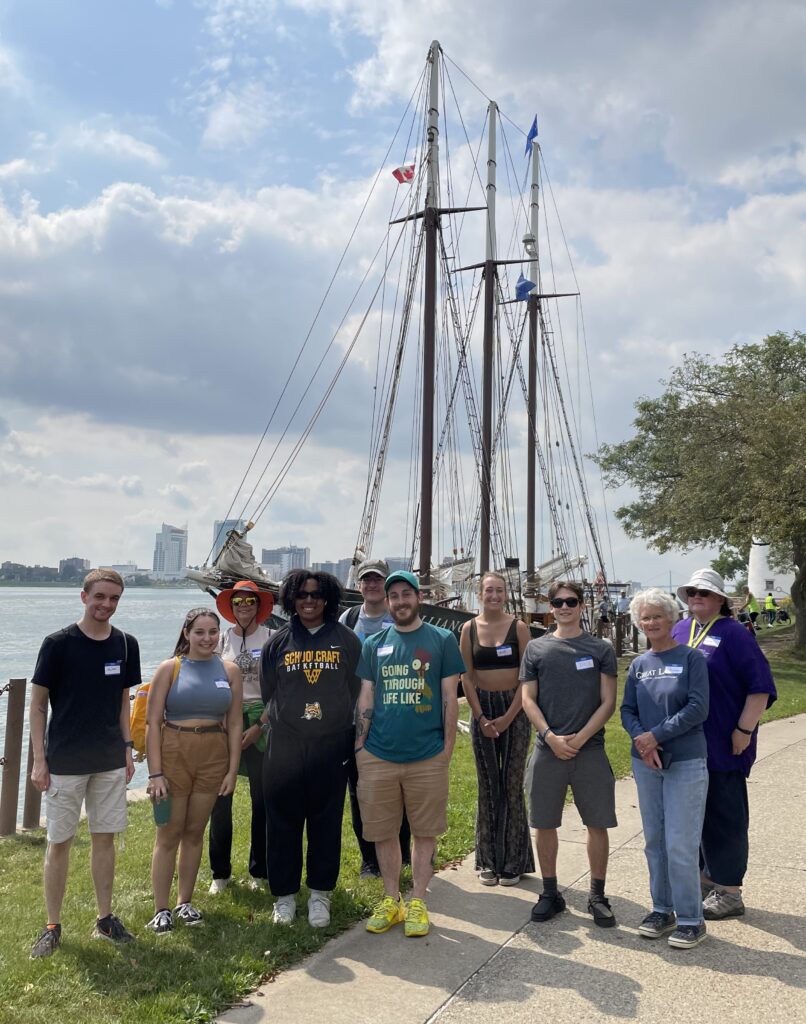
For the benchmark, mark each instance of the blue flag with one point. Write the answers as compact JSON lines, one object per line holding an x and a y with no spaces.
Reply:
{"x":522,"y":288}
{"x":531,"y":136}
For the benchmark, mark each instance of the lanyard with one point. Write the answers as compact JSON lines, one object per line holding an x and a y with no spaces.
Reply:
{"x":696,"y":641}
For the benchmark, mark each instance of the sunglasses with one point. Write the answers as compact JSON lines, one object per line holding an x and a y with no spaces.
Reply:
{"x":558,"y":602}
{"x":312,"y":595}
{"x":691,"y":592}
{"x":248,"y":601}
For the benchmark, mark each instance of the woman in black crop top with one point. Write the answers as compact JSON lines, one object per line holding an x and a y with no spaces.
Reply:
{"x":492,"y":645}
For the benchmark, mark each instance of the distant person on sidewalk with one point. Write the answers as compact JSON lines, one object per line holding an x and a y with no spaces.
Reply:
{"x":770,"y":608}
{"x":569,"y":693}
{"x":623,"y":606}
{"x":405,"y":734}
{"x":492,"y":645}
{"x":366,"y":619}
{"x":193,"y":743}
{"x":309,"y":684}
{"x":84,"y":671}
{"x":248,"y":607}
{"x":665,"y":703}
{"x":751,"y":605}
{"x":741,"y":689}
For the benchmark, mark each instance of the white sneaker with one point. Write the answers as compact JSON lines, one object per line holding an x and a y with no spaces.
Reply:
{"x":319,"y":909}
{"x":257,"y":884}
{"x":218,"y":885}
{"x":285,"y":910}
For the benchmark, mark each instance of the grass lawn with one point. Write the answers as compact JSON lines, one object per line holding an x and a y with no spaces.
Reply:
{"x":196,"y":972}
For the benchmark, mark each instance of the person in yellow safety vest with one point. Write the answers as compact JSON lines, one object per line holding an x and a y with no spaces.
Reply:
{"x":771,"y":609}
{"x":751,"y":604}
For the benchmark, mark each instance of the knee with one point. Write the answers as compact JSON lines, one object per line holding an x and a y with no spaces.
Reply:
{"x":58,"y":851}
{"x":103,"y":841}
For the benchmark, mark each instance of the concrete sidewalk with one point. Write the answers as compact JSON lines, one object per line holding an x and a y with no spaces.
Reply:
{"x":484,"y":959}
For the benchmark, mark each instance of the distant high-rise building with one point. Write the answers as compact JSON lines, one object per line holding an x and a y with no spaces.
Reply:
{"x":73,"y":568}
{"x":331,"y":567}
{"x":170,"y":552}
{"x":287,"y":558}
{"x":221,"y":527}
{"x":397,"y":563}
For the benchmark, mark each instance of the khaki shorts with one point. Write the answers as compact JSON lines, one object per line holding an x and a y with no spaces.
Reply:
{"x":103,"y":793}
{"x":385,"y":788}
{"x":194,"y":762}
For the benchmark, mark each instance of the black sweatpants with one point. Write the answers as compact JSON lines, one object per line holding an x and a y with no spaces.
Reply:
{"x":724,"y":846}
{"x":304,"y":781}
{"x":220,"y":842}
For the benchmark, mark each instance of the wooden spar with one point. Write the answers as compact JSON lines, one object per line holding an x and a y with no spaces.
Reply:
{"x":429,"y":320}
{"x":533,"y":303}
{"x":490,"y":274}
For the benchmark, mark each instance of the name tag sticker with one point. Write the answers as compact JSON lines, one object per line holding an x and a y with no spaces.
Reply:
{"x":583,"y":663}
{"x":386,"y":649}
{"x":674,"y":670}
{"x":503,"y":651}
{"x":112,"y":668}
{"x":256,"y":652}
{"x":712,"y":641}
{"x":222,"y":684}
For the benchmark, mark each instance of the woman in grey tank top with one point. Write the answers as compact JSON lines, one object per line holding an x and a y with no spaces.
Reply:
{"x":193,"y":742}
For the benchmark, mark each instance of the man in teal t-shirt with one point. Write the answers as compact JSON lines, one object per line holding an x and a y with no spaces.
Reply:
{"x":405,"y":731}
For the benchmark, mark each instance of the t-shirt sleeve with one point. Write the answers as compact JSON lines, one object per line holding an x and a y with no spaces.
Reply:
{"x":47,"y":664}
{"x":750,"y":665}
{"x":608,"y":663}
{"x":343,"y":616}
{"x":133,"y":675}
{"x":366,"y":663}
{"x":452,"y":661}
{"x":529,"y":663}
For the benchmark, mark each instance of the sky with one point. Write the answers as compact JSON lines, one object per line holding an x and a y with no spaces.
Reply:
{"x":178,"y":179}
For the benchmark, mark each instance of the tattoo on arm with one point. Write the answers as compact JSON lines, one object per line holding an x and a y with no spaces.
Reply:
{"x":360,"y":729}
{"x":368,"y":713}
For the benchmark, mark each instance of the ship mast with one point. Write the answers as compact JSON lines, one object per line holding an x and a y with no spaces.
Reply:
{"x":533,"y":302}
{"x":490,"y":278}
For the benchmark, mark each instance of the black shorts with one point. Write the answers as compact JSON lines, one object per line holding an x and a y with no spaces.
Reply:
{"x":592,"y":783}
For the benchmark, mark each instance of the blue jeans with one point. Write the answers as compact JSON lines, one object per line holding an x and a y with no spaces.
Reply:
{"x":672,"y":806}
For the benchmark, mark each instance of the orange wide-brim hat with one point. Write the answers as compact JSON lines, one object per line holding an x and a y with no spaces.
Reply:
{"x":265,"y":601}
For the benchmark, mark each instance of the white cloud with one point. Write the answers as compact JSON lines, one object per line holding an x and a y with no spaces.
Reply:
{"x":19,"y":168}
{"x":239,"y":117}
{"x":117,"y":145}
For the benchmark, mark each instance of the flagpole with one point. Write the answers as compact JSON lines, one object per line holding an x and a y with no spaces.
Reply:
{"x":490,"y":275}
{"x":533,"y":310}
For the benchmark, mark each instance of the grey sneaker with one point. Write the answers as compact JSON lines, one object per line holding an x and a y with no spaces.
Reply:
{"x":48,"y":942}
{"x":319,"y":909}
{"x":285,"y":910}
{"x":217,"y":886}
{"x":656,"y":925}
{"x":112,"y":929}
{"x":686,"y":936}
{"x":187,"y":914}
{"x":488,"y":877}
{"x":721,"y":904}
{"x":162,"y":923}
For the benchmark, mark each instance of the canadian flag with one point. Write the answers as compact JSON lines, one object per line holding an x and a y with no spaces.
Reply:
{"x":405,"y":173}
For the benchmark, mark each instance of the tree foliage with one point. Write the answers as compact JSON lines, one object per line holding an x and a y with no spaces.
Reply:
{"x":720,"y":456}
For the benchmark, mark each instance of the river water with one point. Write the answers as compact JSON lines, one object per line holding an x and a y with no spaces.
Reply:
{"x":28,"y":614}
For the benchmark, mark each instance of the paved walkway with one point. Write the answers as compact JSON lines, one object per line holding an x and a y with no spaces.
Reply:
{"x":484,"y":961}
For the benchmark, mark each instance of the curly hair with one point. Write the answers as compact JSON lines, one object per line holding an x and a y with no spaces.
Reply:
{"x":294,"y":581}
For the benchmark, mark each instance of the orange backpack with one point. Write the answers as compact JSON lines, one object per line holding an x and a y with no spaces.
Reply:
{"x":137,"y":718}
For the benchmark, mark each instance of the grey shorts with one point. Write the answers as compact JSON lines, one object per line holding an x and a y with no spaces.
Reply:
{"x":592,"y":784}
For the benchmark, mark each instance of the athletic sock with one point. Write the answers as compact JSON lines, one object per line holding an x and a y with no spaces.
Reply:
{"x":550,"y":886}
{"x":597,"y":887}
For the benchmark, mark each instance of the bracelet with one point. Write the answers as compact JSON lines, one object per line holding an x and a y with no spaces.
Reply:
{"x":480,"y":718}
{"x":545,"y":734}
{"x":129,"y":744}
{"x":747,"y":732}
{"x":157,"y":775}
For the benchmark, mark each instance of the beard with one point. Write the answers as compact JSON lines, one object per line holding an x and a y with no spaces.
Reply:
{"x":404,"y":616}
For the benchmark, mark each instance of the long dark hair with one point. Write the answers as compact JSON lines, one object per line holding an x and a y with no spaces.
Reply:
{"x":329,"y":585}
{"x":183,"y":644}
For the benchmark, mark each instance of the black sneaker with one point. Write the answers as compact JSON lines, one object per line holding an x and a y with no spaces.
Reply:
{"x":48,"y":942}
{"x":488,"y":877}
{"x":603,"y":916}
{"x":656,"y":925}
{"x":685,"y":936}
{"x":369,"y":871}
{"x":162,"y":923}
{"x":549,"y":904}
{"x":112,"y":929}
{"x":187,"y":914}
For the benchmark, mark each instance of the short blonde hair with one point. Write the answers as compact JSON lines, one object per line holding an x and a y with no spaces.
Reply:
{"x":655,"y":598}
{"x":102,"y":576}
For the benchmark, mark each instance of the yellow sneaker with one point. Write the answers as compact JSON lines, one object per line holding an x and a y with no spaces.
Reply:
{"x":390,"y":911}
{"x":417,"y":923}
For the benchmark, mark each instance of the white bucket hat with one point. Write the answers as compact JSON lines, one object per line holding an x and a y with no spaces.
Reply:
{"x":704,"y":579}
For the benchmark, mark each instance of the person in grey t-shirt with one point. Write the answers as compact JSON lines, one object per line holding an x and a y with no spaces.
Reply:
{"x":367,"y":619}
{"x":569,"y":692}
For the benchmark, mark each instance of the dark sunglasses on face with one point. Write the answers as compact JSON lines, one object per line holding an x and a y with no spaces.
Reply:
{"x":248,"y":601}
{"x":558,"y":602}
{"x":311,"y":595}
{"x":691,"y":592}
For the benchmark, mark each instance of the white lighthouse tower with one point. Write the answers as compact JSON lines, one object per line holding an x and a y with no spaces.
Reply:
{"x":761,"y":579}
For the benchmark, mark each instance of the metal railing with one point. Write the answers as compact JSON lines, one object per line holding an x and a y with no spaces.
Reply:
{"x":11,"y":763}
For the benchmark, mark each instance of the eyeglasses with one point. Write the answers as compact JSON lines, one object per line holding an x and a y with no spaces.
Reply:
{"x":691,"y":592}
{"x":558,"y":602}
{"x":310,"y":595}
{"x":248,"y":601}
{"x":371,"y":578}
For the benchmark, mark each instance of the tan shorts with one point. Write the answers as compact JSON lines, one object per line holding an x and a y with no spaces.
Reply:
{"x":385,"y":788}
{"x":194,"y":762}
{"x":104,"y":795}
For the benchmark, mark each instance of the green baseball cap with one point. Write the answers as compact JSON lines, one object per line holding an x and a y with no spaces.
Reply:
{"x":401,"y":576}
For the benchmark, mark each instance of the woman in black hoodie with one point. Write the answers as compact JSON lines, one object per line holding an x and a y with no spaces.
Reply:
{"x":309,"y":686}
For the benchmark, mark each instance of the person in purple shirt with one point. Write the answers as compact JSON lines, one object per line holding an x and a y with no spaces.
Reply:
{"x":741,"y":690}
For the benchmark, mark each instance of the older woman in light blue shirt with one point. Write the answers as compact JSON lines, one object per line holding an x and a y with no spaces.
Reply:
{"x":665,"y":704}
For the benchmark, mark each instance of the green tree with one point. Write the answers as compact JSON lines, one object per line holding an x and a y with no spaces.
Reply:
{"x":720,"y":457}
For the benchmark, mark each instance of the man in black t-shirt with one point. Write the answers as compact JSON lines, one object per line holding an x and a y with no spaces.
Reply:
{"x":84,"y":672}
